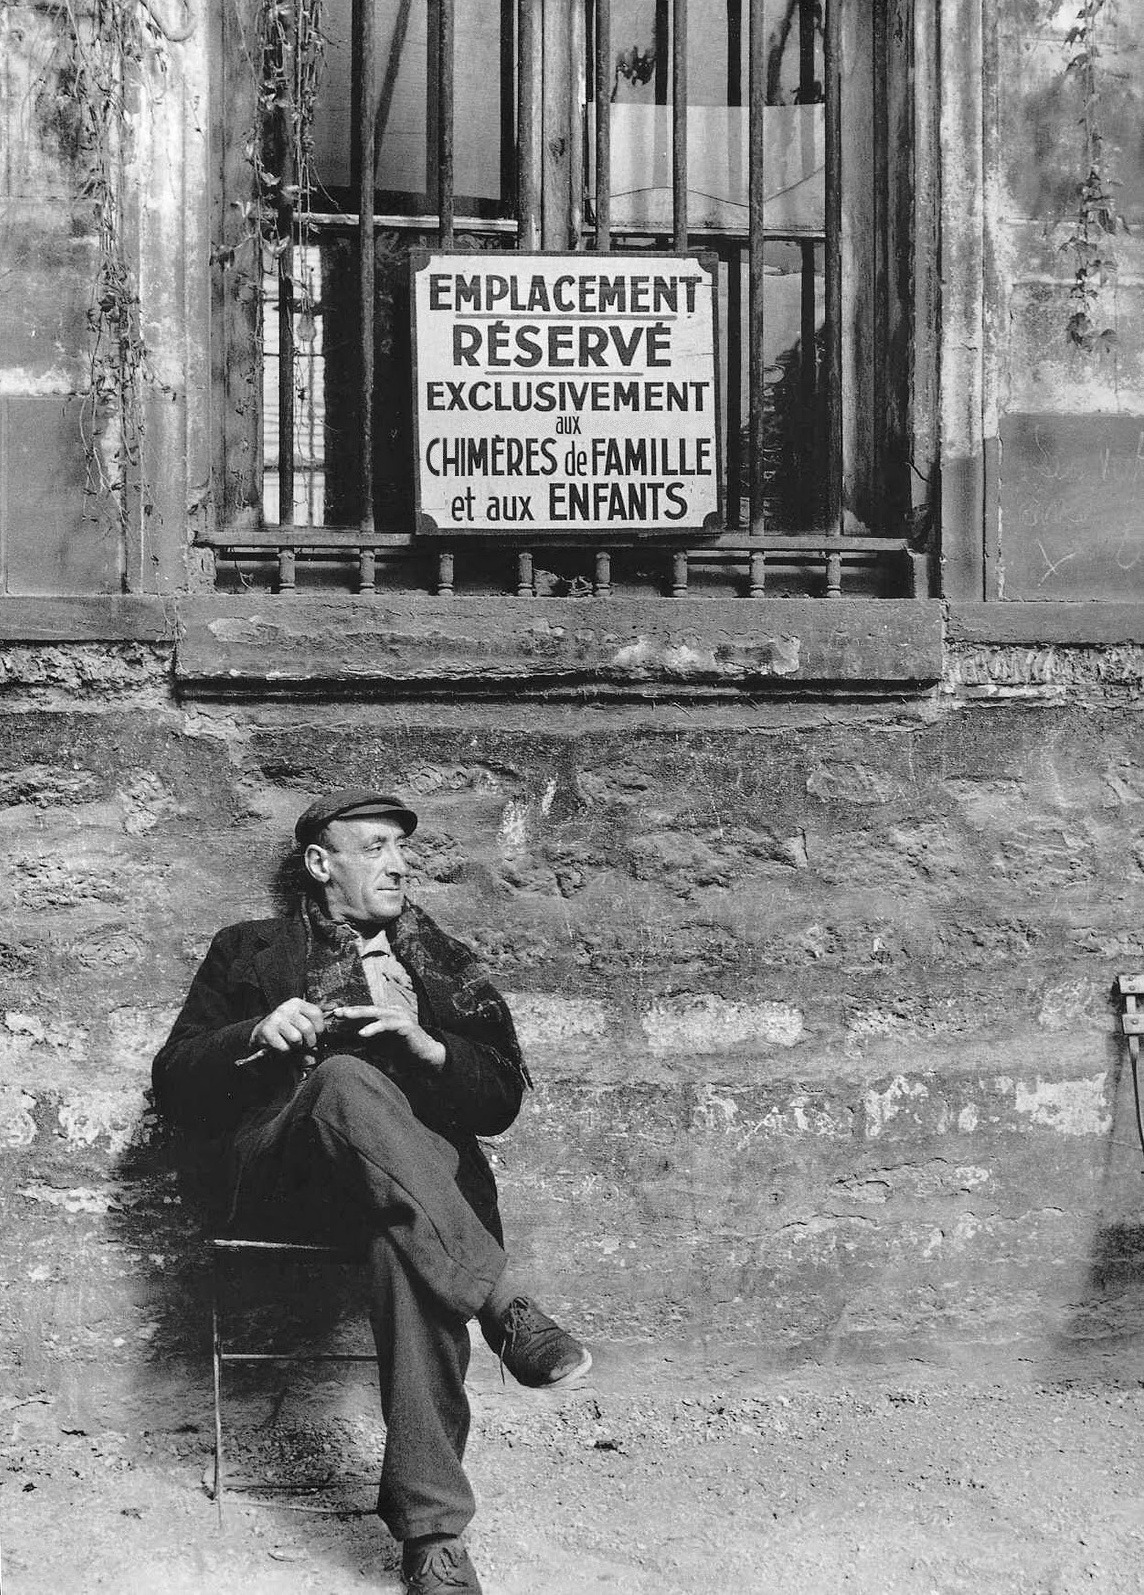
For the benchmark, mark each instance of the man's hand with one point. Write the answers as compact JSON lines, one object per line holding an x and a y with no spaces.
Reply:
{"x":399,"y":1024}
{"x":294,"y":1026}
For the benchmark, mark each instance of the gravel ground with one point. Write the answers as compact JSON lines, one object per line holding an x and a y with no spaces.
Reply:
{"x":677,"y":1474}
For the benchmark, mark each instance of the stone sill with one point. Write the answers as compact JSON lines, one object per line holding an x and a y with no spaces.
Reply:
{"x":134,"y":617}
{"x":260,"y":643}
{"x":1078,"y":624}
{"x":420,"y":643}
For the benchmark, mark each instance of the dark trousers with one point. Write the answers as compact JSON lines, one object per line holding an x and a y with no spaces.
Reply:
{"x":347,"y":1150}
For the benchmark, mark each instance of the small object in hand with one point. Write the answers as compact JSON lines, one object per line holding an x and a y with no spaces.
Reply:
{"x":338,"y":1028}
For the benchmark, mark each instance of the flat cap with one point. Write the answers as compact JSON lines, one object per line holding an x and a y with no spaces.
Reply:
{"x":352,"y":803}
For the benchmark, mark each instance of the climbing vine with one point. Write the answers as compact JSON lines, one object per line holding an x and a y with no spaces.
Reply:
{"x":285,"y":53}
{"x":113,"y":54}
{"x":112,"y":58}
{"x":1096,"y":219}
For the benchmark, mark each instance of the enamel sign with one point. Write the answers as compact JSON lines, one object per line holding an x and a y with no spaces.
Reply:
{"x":570,"y":395}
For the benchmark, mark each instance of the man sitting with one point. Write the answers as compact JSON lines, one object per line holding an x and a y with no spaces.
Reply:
{"x":348,"y":1056}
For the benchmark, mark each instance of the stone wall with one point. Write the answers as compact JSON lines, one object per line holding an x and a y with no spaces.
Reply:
{"x":817,"y":998}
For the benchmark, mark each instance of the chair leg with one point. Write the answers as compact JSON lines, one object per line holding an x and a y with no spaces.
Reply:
{"x":222,"y":1251}
{"x":216,"y":1358}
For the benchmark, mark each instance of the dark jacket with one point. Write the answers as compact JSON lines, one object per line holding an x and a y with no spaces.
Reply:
{"x":201,"y":1086}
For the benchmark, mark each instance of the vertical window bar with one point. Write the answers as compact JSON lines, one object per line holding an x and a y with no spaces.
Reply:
{"x":757,"y":91}
{"x":806,"y":41}
{"x":284,"y":272}
{"x":445,"y":97}
{"x":529,"y":85}
{"x":530,"y":81}
{"x":512,"y":69}
{"x":679,"y":123}
{"x":525,"y":575}
{"x":602,"y":586}
{"x":832,"y":64}
{"x":604,"y":142}
{"x":364,"y":156}
{"x":734,"y":294}
{"x":734,"y":385}
{"x":734,"y":52}
{"x":603,"y":124}
{"x":578,"y":72}
{"x":286,"y":384}
{"x":445,"y":186}
{"x":886,"y":269}
{"x":661,"y":49}
{"x":808,"y":319}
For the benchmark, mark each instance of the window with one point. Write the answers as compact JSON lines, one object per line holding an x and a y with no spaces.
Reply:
{"x":774,"y":133}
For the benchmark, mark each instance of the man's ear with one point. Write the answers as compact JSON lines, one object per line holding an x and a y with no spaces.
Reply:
{"x":317,"y":864}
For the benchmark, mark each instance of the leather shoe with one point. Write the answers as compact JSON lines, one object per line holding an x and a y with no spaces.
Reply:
{"x":534,"y":1349}
{"x":438,"y":1567}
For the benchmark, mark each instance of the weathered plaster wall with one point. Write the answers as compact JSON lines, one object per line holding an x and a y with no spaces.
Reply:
{"x":60,"y":532}
{"x":1066,"y":405}
{"x":817,"y":1000}
{"x":50,"y":265}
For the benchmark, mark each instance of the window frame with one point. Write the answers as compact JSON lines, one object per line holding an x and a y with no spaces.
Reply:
{"x":886,"y":458}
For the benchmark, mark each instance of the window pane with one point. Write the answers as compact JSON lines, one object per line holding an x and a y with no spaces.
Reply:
{"x":796,"y":446}
{"x":309,"y":392}
{"x":717,"y":46}
{"x":326,"y":377}
{"x":326,"y":364}
{"x":717,"y":76}
{"x":405,"y":32}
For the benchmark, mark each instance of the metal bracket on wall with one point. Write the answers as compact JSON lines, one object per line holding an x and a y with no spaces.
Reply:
{"x":1132,"y":1023}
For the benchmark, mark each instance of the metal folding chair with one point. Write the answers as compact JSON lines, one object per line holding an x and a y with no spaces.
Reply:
{"x":1132,"y":1023}
{"x":223,"y":1252}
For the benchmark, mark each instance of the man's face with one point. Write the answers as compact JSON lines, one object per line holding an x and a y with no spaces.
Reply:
{"x":361,"y":866}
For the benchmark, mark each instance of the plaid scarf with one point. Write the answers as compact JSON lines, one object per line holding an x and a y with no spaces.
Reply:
{"x":451,"y":982}
{"x":334,"y":974}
